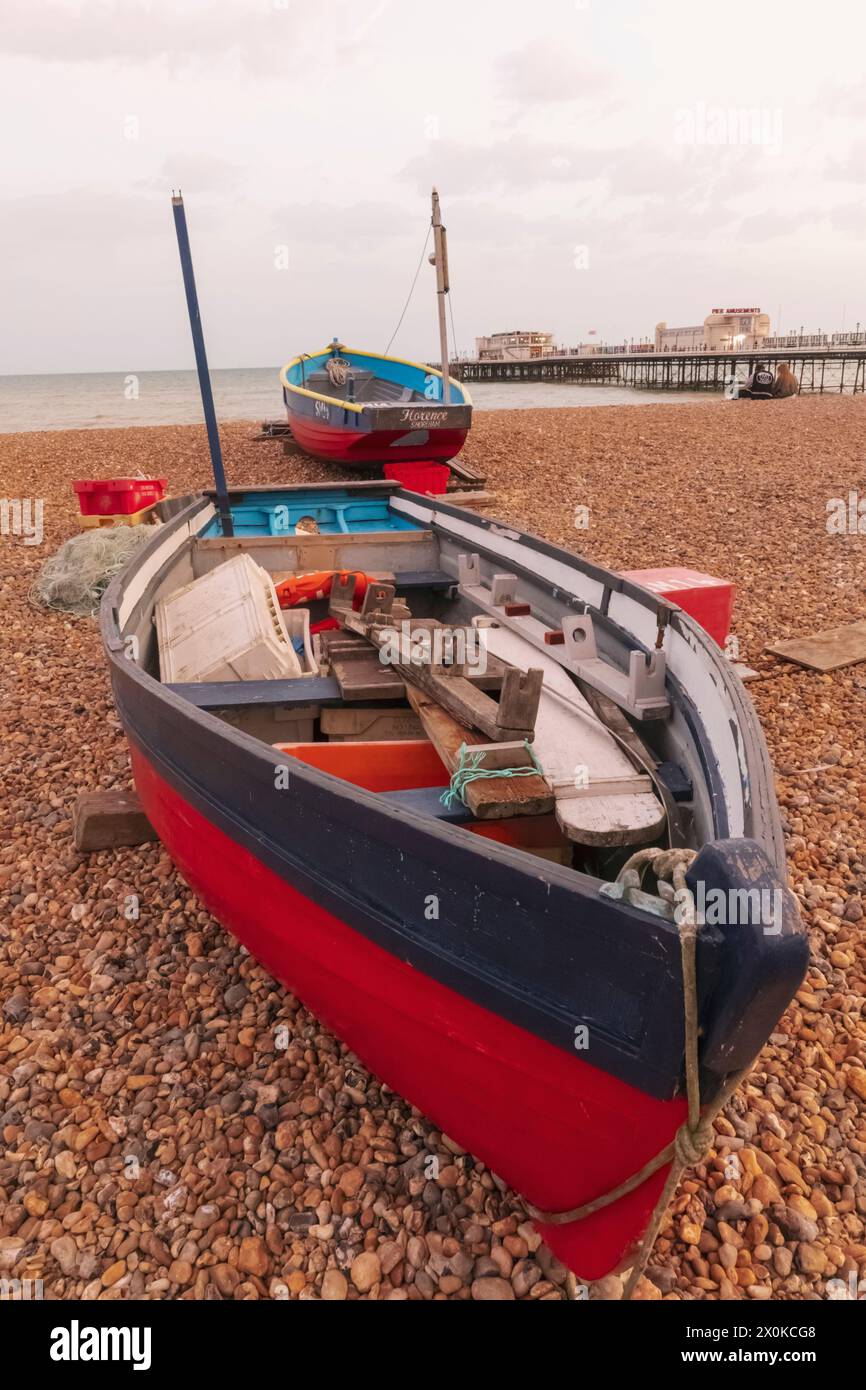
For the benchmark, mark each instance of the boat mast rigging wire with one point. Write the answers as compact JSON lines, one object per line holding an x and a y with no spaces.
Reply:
{"x":411,"y":292}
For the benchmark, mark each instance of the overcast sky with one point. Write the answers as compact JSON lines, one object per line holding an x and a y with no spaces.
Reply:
{"x":602,"y":163}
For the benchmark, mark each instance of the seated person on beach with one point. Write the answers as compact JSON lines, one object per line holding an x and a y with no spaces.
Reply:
{"x":786,"y":383}
{"x":759,"y":386}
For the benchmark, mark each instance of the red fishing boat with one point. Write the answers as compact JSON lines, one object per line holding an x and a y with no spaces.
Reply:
{"x":485,"y":945}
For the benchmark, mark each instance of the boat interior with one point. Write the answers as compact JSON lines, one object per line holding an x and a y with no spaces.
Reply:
{"x":429,"y":657}
{"x":339,"y":373}
{"x":362,"y":387}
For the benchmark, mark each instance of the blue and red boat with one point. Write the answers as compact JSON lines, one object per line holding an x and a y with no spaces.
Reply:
{"x":368,"y":410}
{"x":365,"y":410}
{"x":500,"y":967}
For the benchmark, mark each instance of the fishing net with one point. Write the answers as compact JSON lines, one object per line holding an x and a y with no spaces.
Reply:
{"x":74,"y":579}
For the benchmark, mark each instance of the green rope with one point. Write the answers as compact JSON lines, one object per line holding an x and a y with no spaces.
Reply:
{"x":469,"y":770}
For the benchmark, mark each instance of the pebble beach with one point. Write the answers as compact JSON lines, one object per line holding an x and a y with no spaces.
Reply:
{"x":175,"y":1125}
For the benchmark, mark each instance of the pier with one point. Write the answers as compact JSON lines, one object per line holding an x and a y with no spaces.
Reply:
{"x":838,"y":370}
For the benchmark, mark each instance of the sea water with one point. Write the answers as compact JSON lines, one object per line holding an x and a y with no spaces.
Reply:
{"x":111,"y":400}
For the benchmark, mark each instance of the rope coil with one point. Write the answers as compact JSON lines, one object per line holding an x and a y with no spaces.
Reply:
{"x":338,"y":370}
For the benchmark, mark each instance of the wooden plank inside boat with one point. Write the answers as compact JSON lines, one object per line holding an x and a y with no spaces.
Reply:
{"x":513,"y":717}
{"x":494,"y":798}
{"x":355,"y":665}
{"x":361,"y":676}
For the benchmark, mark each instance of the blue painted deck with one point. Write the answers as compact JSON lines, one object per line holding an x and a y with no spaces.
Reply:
{"x":335,"y":513}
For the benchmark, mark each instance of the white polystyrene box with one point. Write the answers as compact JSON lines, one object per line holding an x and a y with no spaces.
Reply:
{"x":225,"y":626}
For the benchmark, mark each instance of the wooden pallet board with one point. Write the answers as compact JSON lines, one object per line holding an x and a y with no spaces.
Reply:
{"x":383,"y":614}
{"x":271,"y":694}
{"x":355,"y":665}
{"x":826,"y":651}
{"x":361,"y":676}
{"x":467,"y":476}
{"x":495,"y":798}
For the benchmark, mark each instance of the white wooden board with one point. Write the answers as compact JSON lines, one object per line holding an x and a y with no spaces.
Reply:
{"x":601,"y":798}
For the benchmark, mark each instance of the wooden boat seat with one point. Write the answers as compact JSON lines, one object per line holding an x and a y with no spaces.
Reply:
{"x":423,"y":579}
{"x":427,"y":801}
{"x":211,"y":695}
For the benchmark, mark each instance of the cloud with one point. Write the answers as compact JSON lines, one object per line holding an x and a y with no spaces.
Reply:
{"x":543,"y":71}
{"x":846,"y":101}
{"x":195,"y":173}
{"x":852,"y":168}
{"x":516,"y":163}
{"x":848,"y":218}
{"x":771,"y":224}
{"x":345,"y":227}
{"x":43,"y":225}
{"x":265,"y":35}
{"x":641,"y":171}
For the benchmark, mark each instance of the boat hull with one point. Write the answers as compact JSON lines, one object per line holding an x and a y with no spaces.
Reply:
{"x":475,"y":1011}
{"x":359,"y":448}
{"x":553,"y":1125}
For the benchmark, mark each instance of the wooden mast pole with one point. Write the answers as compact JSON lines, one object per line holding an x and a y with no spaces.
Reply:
{"x":440,"y":260}
{"x":213,"y":437}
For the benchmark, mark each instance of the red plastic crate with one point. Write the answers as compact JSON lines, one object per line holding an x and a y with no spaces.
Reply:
{"x":118,"y":496}
{"x":708,"y":600}
{"x":429,"y":478}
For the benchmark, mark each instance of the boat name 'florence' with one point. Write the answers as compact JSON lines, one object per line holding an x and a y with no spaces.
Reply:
{"x":427,"y":418}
